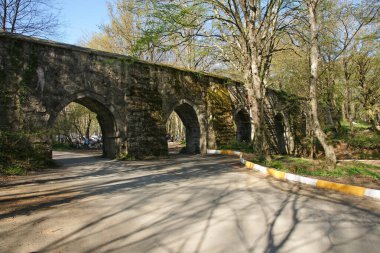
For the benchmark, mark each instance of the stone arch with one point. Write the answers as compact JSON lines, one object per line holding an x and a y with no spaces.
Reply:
{"x":105,"y":115}
{"x":188,"y":114}
{"x":243,"y":125}
{"x":279,"y":125}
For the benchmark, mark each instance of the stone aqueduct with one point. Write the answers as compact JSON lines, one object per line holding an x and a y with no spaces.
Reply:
{"x":132,"y":99}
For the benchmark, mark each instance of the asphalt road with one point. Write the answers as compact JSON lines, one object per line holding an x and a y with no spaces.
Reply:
{"x":182,"y":204}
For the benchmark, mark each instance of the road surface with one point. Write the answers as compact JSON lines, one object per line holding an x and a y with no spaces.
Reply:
{"x":181,"y":204}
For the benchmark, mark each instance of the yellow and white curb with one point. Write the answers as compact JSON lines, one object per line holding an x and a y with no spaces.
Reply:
{"x":322,"y":184}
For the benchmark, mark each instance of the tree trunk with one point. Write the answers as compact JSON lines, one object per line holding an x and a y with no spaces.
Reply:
{"x":16,"y":15}
{"x":349,"y":109}
{"x":344,"y":111}
{"x":256,"y":101}
{"x":314,"y":55}
{"x":4,"y":21}
{"x":372,"y":119}
{"x":88,"y":126}
{"x":331,"y":101}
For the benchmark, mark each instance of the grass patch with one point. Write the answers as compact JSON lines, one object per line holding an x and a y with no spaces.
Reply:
{"x":236,"y":145}
{"x":62,"y":146}
{"x":306,"y":167}
{"x":290,"y":164}
{"x":362,"y":136}
{"x":350,"y":172}
{"x":357,"y":125}
{"x":357,"y":168}
{"x":13,"y":171}
{"x":126,"y":157}
{"x":369,"y":140}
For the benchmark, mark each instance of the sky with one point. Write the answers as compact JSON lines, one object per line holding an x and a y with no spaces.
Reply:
{"x":81,"y":18}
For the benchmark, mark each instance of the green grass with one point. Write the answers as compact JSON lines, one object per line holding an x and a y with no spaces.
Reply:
{"x":357,"y":125}
{"x":290,"y":164}
{"x":13,"y":170}
{"x":236,"y":145}
{"x":62,"y":146}
{"x":361,"y":138}
{"x":368,"y":140}
{"x":357,"y":168}
{"x":308,"y":167}
{"x":125,"y":157}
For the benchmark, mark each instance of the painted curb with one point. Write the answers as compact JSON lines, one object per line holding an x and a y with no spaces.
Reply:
{"x":318,"y":183}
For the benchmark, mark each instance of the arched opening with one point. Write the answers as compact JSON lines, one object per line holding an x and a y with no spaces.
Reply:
{"x":280,"y":133}
{"x":85,"y":124}
{"x":243,"y":126}
{"x":175,"y":133}
{"x":186,"y":130}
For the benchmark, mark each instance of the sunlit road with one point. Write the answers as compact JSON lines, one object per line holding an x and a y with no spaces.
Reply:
{"x":182,"y":204}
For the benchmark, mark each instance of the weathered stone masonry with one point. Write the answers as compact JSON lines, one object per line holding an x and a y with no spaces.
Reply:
{"x":132,"y":98}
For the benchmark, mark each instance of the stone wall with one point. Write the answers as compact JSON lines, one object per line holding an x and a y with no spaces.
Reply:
{"x":286,"y":121}
{"x":131,"y":98}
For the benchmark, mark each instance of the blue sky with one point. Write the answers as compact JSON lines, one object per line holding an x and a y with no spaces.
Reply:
{"x":80,"y":18}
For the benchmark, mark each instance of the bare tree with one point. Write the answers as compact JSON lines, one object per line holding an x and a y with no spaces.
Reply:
{"x":29,"y":17}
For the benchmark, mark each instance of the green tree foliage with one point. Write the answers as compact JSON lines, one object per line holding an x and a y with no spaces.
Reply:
{"x":366,"y":81}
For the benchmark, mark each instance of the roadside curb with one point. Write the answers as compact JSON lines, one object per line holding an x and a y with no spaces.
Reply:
{"x":318,"y":183}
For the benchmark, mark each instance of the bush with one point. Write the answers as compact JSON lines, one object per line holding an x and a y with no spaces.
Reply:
{"x":14,"y":170}
{"x":18,"y":154}
{"x":362,"y":137}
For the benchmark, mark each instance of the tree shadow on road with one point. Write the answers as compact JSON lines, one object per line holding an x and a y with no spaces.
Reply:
{"x":204,"y":199}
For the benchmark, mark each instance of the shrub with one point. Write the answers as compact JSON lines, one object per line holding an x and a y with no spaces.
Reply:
{"x":18,"y":154}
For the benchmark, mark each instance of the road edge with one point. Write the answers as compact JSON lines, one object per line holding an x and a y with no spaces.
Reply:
{"x":318,"y":183}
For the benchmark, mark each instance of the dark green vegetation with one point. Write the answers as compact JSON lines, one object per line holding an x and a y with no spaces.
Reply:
{"x":126,"y":157}
{"x":18,"y":155}
{"x":62,"y":146}
{"x":363,"y":138}
{"x":241,"y":146}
